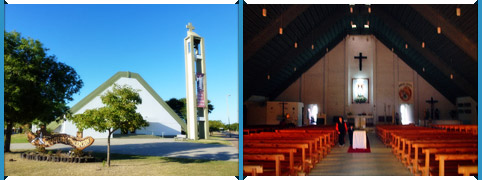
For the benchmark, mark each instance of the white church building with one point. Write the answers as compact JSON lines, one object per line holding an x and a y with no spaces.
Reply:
{"x":163,"y":121}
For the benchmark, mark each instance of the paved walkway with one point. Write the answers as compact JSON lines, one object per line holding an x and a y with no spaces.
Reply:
{"x":231,"y":137}
{"x":380,"y":162}
{"x":155,"y":147}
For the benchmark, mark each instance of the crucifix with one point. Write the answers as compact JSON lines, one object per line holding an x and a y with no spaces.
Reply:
{"x":190,"y":27}
{"x":360,"y":57}
{"x":283,"y":109}
{"x":431,"y":102}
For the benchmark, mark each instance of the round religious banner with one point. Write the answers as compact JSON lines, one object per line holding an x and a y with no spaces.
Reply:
{"x":405,"y":92}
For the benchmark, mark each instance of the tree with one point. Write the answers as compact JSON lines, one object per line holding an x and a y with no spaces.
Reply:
{"x":119,"y":112}
{"x":233,"y":127}
{"x":179,"y":106}
{"x":36,"y":86}
{"x":215,"y":125}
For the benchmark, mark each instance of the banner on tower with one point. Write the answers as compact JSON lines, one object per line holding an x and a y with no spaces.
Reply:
{"x":200,"y":90}
{"x":405,"y":92}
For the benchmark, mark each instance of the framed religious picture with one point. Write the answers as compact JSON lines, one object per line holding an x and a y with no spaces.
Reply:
{"x":360,"y":91}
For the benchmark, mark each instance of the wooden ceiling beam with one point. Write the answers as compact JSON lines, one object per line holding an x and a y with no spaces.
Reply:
{"x":448,"y":30}
{"x":270,"y":31}
{"x":430,"y":56}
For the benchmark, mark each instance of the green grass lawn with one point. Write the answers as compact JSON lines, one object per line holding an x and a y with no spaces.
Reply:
{"x":18,"y":138}
{"x":121,"y":165}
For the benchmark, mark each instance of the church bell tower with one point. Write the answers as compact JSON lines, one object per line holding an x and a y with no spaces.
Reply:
{"x":196,"y":91}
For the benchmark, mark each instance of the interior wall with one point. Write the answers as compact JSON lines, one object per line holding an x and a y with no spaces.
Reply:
{"x":256,"y":113}
{"x":328,"y":82}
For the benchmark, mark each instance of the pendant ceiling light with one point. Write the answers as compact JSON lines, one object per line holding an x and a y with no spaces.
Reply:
{"x":281,"y":27}
{"x":264,"y":12}
{"x":458,"y":11}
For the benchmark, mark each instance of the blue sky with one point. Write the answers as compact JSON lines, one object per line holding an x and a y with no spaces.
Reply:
{"x":100,"y":40}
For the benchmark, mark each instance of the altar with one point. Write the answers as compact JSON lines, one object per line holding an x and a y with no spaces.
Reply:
{"x":360,"y":121}
{"x":359,"y":139}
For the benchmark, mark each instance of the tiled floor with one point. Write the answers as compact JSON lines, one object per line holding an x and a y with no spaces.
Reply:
{"x":380,"y":162}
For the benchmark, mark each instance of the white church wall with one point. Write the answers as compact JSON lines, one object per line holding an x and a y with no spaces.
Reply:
{"x":385,"y":84}
{"x":160,"y":121}
{"x":355,"y":46}
{"x":335,"y":82}
{"x":383,"y":68}
{"x":256,"y":113}
{"x":292,"y":93}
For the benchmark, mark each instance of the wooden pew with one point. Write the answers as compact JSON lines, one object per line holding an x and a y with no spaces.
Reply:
{"x":430,"y":150}
{"x":310,"y":159}
{"x":285,"y":151}
{"x":322,"y":146}
{"x":468,"y":170}
{"x":330,"y":138}
{"x":267,"y":157}
{"x":301,"y":147}
{"x":408,"y":141}
{"x":406,"y":153}
{"x":451,"y":157}
{"x":423,"y":166}
{"x":472,"y":129}
{"x":254,"y":170}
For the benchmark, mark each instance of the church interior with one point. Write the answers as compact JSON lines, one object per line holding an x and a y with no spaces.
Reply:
{"x":360,"y":90}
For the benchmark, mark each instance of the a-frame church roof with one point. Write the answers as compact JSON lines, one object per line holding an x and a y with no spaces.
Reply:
{"x":454,"y":51}
{"x":110,"y":82}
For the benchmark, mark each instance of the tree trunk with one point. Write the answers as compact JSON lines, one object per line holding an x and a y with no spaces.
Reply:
{"x":8,"y":137}
{"x":108,"y":149}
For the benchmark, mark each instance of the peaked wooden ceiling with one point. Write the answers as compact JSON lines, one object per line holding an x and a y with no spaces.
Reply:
{"x":266,"y":52}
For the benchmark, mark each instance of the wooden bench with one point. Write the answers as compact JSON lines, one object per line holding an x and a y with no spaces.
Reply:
{"x":311,"y":157}
{"x":267,"y":157}
{"x":300,"y":147}
{"x":468,"y":170}
{"x":452,"y":157}
{"x":322,"y":146}
{"x":254,"y":170}
{"x":286,"y":151}
{"x":431,"y":150}
{"x":446,"y":148}
{"x":405,"y":154}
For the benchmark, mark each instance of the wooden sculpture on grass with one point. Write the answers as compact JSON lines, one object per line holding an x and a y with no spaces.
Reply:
{"x":44,"y":139}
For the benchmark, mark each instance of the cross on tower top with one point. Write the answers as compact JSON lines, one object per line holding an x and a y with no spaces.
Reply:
{"x":190,"y":27}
